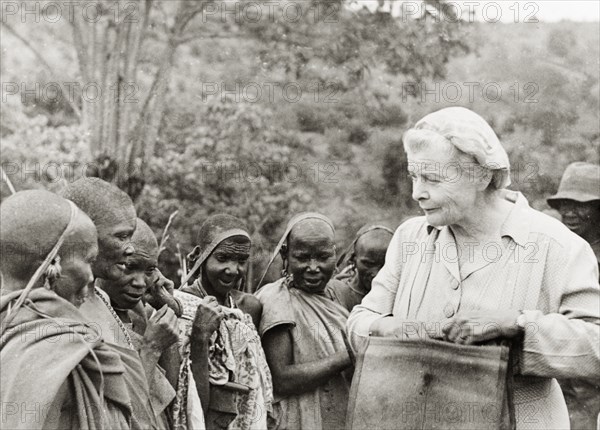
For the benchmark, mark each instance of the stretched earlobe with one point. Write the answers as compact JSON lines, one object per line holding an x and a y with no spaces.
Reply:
{"x":52,"y":273}
{"x":352,"y":259}
{"x":284,"y":271}
{"x":283,"y":252}
{"x":194,"y":254}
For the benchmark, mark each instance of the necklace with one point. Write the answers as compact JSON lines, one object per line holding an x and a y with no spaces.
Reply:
{"x":116,"y":317}
{"x":199,"y":291}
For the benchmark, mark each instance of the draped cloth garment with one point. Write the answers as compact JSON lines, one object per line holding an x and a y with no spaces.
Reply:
{"x":47,"y":349}
{"x":316,"y":324}
{"x":544,"y":269}
{"x":237,"y":356}
{"x":162,"y":393}
{"x":345,"y":288}
{"x":99,"y":315}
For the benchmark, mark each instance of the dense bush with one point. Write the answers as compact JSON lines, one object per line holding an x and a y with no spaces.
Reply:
{"x":266,"y":160}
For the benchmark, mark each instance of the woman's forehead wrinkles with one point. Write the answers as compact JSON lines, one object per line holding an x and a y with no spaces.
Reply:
{"x":144,"y":246}
{"x":428,"y":166}
{"x":120,"y":228}
{"x":311,"y":241}
{"x":230,"y":247}
{"x":144,"y":253}
{"x":142,"y":259}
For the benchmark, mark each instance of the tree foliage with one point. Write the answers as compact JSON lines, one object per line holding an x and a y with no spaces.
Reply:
{"x":217,"y":151}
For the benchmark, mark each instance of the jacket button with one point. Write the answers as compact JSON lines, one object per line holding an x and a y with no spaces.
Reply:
{"x":448,"y":310}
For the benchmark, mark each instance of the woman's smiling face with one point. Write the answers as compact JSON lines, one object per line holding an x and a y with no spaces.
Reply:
{"x":445,"y":184}
{"x":227,"y":264}
{"x":311,"y":255}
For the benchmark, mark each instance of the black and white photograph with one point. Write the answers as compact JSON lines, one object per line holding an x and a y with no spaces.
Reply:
{"x":299,"y":215}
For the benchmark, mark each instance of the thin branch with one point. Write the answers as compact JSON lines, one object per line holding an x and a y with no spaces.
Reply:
{"x":182,"y":264}
{"x":29,"y":45}
{"x":165,"y":236}
{"x":187,"y":14}
{"x":44,"y":63}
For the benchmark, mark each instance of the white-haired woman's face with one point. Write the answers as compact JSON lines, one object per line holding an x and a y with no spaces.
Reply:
{"x":445,"y":185}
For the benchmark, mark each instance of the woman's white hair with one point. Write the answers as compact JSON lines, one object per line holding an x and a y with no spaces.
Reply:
{"x":468,"y":135}
{"x":419,"y":139}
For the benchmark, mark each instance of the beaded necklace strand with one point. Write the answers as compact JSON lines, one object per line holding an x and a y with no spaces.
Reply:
{"x":116,"y":317}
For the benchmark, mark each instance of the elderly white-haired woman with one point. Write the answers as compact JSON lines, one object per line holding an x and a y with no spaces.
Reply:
{"x":482,"y":264}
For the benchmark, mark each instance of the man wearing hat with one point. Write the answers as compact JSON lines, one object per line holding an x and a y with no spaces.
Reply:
{"x":578,"y":201}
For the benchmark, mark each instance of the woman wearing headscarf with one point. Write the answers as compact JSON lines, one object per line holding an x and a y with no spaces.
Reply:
{"x":359,"y":264}
{"x":223,"y":361}
{"x":303,"y":330}
{"x":482,"y":264}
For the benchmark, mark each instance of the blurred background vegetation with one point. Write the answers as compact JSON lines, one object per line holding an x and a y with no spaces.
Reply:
{"x":175,"y":132}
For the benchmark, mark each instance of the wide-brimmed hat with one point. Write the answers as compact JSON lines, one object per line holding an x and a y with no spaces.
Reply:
{"x":580,"y":182}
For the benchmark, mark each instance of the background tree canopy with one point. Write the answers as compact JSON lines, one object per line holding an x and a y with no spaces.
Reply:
{"x":301,"y":108}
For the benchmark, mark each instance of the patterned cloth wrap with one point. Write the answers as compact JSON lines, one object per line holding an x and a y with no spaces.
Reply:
{"x":235,"y":355}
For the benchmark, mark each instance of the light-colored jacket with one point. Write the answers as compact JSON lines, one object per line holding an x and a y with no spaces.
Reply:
{"x":540,"y":268}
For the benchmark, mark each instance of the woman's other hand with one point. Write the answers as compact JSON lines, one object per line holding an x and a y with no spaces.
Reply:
{"x":471,"y":327}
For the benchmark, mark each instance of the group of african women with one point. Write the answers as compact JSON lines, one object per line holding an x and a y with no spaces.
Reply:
{"x":95,"y":337}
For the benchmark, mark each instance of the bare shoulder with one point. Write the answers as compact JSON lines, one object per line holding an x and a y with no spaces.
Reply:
{"x":249,"y":304}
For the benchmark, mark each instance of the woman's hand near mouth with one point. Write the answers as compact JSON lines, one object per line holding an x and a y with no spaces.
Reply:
{"x":160,"y":293}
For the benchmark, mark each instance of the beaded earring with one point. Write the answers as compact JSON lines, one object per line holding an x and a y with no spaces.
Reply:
{"x":52,"y":273}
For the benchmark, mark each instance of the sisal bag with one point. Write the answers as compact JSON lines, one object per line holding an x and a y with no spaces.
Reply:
{"x":416,"y":384}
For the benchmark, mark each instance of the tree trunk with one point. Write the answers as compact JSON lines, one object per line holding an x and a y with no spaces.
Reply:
{"x":108,"y":50}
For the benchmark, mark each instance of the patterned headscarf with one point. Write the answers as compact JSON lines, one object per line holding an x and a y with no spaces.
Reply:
{"x":471,"y":134}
